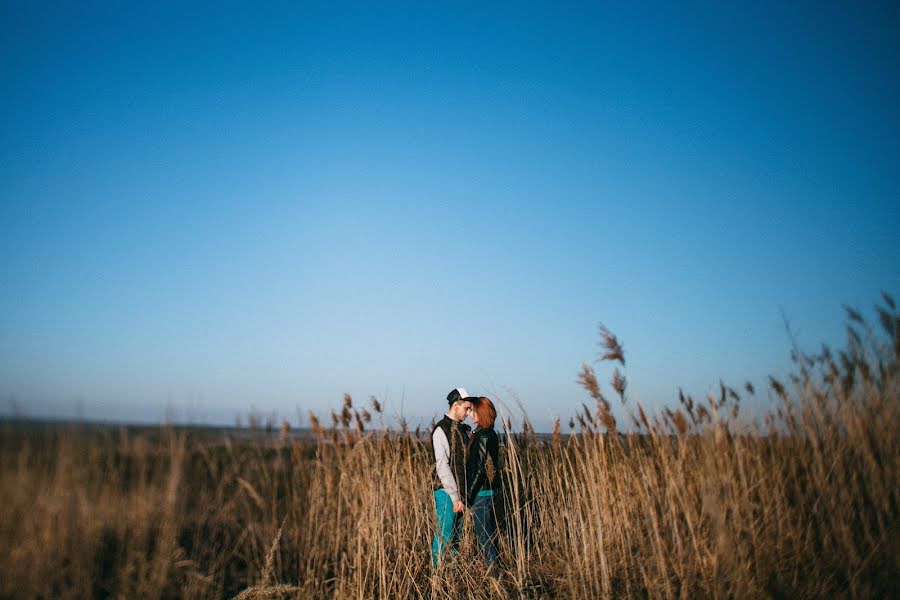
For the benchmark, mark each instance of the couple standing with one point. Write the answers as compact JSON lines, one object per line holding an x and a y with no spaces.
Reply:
{"x":467,"y":474}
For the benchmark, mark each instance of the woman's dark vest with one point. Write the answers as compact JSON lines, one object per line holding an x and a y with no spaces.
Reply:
{"x":458,"y":437}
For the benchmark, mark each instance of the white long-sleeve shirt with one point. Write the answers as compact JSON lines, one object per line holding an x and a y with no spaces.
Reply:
{"x":442,"y":462}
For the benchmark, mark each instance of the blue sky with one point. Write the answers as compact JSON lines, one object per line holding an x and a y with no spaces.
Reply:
{"x":227,"y":206}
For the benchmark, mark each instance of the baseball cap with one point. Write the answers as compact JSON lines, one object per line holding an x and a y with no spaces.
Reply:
{"x":457,"y":394}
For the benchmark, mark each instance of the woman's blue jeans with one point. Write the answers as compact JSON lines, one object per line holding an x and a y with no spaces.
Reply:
{"x":485,"y":521}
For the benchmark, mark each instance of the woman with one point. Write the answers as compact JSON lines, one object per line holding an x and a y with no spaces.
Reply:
{"x":483,"y":477}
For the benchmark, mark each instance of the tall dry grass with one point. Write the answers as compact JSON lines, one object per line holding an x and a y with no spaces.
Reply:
{"x":689,"y":502}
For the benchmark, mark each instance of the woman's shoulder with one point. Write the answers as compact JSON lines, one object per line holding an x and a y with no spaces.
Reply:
{"x":488,"y":433}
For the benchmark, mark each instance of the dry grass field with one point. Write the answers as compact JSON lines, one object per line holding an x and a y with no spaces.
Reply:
{"x":691,"y":503}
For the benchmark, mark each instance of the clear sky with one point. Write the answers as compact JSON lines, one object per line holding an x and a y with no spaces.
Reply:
{"x":223,"y":206}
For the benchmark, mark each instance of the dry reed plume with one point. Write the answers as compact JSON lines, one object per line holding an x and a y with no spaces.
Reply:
{"x":687,"y":502}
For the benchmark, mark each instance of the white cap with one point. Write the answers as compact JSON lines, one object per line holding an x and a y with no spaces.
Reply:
{"x":457,"y":394}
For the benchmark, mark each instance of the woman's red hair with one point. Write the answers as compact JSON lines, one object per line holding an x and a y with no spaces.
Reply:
{"x":486,"y":412}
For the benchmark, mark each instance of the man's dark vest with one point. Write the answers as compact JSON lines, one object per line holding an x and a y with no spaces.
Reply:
{"x":458,"y":437}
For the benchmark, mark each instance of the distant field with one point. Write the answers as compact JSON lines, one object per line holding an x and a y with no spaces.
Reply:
{"x":200,"y":434}
{"x":805,"y":506}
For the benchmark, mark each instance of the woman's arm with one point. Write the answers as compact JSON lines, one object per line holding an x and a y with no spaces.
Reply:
{"x":476,"y":471}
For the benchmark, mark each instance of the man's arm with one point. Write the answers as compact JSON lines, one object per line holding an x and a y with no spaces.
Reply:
{"x":442,"y":463}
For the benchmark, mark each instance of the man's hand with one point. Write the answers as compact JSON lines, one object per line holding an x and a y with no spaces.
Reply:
{"x":458,"y":506}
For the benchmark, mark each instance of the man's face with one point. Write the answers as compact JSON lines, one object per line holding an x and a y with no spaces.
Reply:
{"x":460,"y":410}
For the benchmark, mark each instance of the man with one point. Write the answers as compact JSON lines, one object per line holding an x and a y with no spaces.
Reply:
{"x":449,"y":438}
